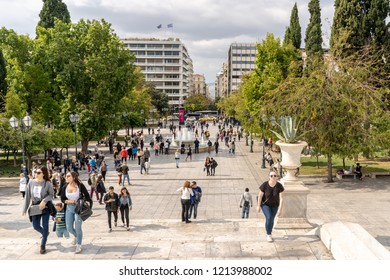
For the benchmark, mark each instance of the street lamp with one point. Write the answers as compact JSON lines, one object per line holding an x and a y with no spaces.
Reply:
{"x":74,"y":119}
{"x":143,"y":120}
{"x":264,"y":119}
{"x":24,"y":127}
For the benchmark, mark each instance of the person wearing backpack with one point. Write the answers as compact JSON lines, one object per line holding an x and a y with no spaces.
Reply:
{"x":194,"y":199}
{"x":246,"y":203}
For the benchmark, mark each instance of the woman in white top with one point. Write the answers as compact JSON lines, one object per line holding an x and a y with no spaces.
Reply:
{"x":69,"y":196}
{"x":186,"y":192}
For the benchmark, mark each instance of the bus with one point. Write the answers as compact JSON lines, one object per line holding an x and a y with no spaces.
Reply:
{"x":193,"y":115}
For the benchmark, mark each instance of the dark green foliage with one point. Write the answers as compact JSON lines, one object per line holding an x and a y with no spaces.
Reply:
{"x":313,"y":38}
{"x":293,"y":32}
{"x":3,"y":82}
{"x":53,"y":9}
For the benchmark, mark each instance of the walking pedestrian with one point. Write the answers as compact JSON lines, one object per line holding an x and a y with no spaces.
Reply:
{"x":111,"y":199}
{"x":38,"y":196}
{"x":125,"y":205}
{"x":60,"y":221}
{"x":270,"y":200}
{"x":189,"y":152}
{"x":101,"y":189}
{"x":70,"y":195}
{"x":207,"y":165}
{"x":246,"y":203}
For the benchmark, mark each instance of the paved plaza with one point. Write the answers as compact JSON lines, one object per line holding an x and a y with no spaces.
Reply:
{"x":218,"y":233}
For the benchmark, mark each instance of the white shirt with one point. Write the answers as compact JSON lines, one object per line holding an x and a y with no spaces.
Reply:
{"x":185,"y":192}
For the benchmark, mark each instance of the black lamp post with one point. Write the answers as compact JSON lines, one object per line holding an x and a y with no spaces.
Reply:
{"x":264,"y":119}
{"x":143,"y":120}
{"x":74,"y":118}
{"x":24,"y":127}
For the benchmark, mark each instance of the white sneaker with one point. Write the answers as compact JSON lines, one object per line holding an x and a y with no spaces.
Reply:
{"x":269,"y":238}
{"x":128,"y":228}
{"x":123,"y":225}
{"x":78,"y":249}
{"x":74,"y":241}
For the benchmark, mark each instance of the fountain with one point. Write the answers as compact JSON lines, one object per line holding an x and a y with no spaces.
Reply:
{"x":187,"y":136}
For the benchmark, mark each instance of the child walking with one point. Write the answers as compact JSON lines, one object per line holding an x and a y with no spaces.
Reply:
{"x":59,"y":221}
{"x":111,"y":199}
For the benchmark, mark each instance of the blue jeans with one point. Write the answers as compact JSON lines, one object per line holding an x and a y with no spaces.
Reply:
{"x":195,"y":207}
{"x":74,"y":223}
{"x":245,"y":212}
{"x":177,"y":162}
{"x":63,"y":232}
{"x":124,"y":176}
{"x":269,"y":213}
{"x":44,"y":229}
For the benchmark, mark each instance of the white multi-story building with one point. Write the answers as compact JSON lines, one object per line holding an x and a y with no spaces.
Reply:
{"x":241,"y":59}
{"x":221,"y":82}
{"x":166,"y":63}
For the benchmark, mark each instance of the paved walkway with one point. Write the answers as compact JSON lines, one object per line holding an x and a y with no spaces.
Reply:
{"x":218,"y":233}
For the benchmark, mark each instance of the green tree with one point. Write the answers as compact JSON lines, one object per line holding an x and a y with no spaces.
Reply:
{"x":313,"y":39}
{"x":3,"y":82}
{"x":293,"y":32}
{"x":158,"y":98}
{"x":196,"y":102}
{"x":341,"y":99}
{"x":375,"y":13}
{"x":347,"y":33}
{"x":51,"y":10}
{"x":94,"y":76}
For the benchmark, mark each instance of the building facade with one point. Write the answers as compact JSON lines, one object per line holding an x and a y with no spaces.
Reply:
{"x":199,"y":84}
{"x":241,"y":59}
{"x":166,"y":63}
{"x":221,"y":82}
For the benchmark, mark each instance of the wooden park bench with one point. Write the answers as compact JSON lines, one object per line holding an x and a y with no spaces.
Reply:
{"x":379,"y":174}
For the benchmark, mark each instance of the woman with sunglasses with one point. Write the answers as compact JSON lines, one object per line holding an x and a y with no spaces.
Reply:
{"x":39,"y":191}
{"x":270,"y":200}
{"x":69,"y":196}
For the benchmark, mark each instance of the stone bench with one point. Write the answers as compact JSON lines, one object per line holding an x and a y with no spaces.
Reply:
{"x":378,"y":174}
{"x":350,"y":241}
{"x":344,"y":176}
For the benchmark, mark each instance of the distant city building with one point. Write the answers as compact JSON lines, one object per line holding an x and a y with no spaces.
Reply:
{"x":166,"y":63}
{"x":221,"y":82}
{"x":199,"y":84}
{"x":241,"y":59}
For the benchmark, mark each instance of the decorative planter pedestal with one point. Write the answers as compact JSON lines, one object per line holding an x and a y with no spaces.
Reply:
{"x":295,"y":193}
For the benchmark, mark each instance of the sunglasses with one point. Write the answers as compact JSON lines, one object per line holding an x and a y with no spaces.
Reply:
{"x":38,"y":172}
{"x":273,"y":176}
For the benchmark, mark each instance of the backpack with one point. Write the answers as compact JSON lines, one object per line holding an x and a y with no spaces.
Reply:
{"x":89,"y":181}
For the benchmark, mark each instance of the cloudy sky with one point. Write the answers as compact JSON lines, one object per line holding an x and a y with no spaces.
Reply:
{"x":207,"y":27}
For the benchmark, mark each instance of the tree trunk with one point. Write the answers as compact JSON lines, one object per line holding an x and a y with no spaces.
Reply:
{"x":343,"y":163}
{"x":330,"y":175}
{"x":14,"y":158}
{"x":84,"y":146}
{"x":8,"y":154}
{"x":318,"y":163}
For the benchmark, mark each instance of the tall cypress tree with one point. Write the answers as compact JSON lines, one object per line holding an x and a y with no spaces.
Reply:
{"x":53,"y":9}
{"x":347,"y":28}
{"x":374,"y":20}
{"x":3,"y":82}
{"x":293,"y":32}
{"x":313,"y":39}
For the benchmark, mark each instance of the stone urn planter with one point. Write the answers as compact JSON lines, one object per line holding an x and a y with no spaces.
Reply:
{"x":291,"y":157}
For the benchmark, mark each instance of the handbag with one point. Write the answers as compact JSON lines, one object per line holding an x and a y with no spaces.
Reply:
{"x":83,"y":209}
{"x":34,"y":210}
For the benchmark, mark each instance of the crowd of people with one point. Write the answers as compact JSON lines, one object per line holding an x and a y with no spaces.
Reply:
{"x":46,"y":183}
